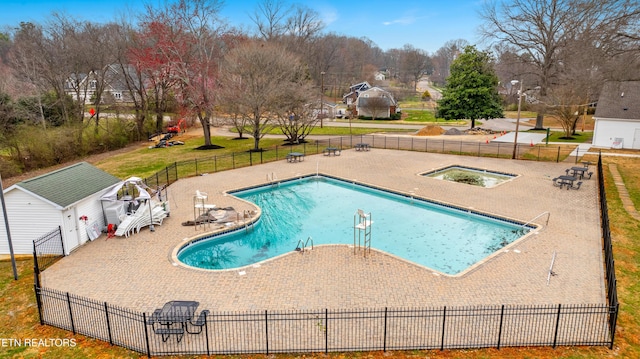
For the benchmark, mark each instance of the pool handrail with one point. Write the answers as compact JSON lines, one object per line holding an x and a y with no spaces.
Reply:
{"x":538,"y":216}
{"x":301,"y":247}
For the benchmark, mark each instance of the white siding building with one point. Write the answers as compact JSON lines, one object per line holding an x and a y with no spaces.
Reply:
{"x":68,"y":198}
{"x":617,"y":117}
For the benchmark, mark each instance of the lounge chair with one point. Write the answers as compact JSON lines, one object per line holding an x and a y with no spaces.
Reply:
{"x":129,"y":224}
{"x":198,"y":323}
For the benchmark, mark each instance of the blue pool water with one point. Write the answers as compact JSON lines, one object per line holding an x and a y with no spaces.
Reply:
{"x":445,"y":239}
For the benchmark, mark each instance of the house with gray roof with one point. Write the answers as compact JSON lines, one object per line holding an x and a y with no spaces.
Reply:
{"x":84,"y":86}
{"x":617,"y":116}
{"x":376,"y":103}
{"x":68,"y":198}
{"x":354,"y":92}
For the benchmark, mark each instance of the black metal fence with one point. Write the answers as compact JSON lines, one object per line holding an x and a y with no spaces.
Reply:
{"x":235,"y":160}
{"x":609,"y":262}
{"x":334,"y":330}
{"x":47,"y":250}
{"x":328,"y":330}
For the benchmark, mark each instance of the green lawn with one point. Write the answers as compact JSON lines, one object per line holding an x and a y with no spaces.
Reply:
{"x":556,"y":136}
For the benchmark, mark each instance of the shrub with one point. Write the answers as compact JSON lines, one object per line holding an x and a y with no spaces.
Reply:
{"x":464,"y":177}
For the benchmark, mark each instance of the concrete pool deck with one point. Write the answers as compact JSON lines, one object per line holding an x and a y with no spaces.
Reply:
{"x":138,"y":272}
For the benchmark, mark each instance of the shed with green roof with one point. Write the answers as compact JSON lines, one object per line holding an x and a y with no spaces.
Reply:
{"x":68,"y":198}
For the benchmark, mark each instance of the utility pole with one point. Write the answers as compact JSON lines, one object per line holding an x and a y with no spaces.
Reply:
{"x":321,"y":97}
{"x":515,"y":140}
{"x":6,"y":226}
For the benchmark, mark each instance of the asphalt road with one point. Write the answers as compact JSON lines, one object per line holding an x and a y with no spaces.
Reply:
{"x":497,"y":124}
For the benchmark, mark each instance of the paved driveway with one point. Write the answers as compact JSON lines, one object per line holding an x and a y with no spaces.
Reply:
{"x":139,"y":273}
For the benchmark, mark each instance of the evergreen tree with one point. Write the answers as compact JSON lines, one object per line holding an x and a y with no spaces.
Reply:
{"x":471,"y":90}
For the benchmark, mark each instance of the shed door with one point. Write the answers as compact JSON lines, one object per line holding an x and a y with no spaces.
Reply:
{"x":636,"y":139}
{"x":71,"y":238}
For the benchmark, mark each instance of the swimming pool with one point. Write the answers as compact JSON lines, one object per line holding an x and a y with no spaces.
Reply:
{"x":446,"y":239}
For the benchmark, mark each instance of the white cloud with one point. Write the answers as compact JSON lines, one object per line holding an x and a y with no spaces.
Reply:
{"x":328,"y":15}
{"x":407,"y":20}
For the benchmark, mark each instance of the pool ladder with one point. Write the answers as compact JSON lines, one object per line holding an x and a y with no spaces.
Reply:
{"x":248,"y":225}
{"x":302,"y":246}
{"x":273,"y":179}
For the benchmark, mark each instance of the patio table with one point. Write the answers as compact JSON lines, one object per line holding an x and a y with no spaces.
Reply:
{"x":174,"y":312}
{"x":567,"y":180}
{"x":579,"y":171}
{"x":331,"y":151}
{"x":295,"y":157}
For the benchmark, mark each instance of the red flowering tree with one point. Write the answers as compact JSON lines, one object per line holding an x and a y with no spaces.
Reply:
{"x":183,"y":44}
{"x":150,"y":58}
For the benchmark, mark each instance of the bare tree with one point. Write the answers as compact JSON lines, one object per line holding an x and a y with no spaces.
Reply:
{"x":443,"y":58}
{"x":270,"y":19}
{"x":303,"y":24}
{"x":27,"y":67}
{"x":265,"y":82}
{"x":414,"y":64}
{"x":392,"y":62}
{"x":566,"y":107}
{"x":298,"y":121}
{"x":543,"y":31}
{"x":132,"y":72}
{"x":376,"y":106}
{"x":99,"y":42}
{"x":65,"y":57}
{"x":192,"y":52}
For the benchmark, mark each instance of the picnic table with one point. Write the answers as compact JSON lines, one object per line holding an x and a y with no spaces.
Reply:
{"x":579,"y":171}
{"x":362,"y":147}
{"x":295,"y":157}
{"x":175,"y":312}
{"x":331,"y":151}
{"x":564,"y":181}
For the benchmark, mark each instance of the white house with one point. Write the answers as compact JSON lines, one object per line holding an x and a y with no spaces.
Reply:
{"x":617,"y":117}
{"x":379,"y":76}
{"x":68,"y":198}
{"x":328,"y":109}
{"x":84,"y":87}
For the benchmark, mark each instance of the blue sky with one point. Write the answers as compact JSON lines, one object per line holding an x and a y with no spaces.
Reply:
{"x":425,"y":24}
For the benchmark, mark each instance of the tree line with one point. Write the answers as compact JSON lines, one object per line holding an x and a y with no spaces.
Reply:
{"x":182,"y":58}
{"x":179,"y":58}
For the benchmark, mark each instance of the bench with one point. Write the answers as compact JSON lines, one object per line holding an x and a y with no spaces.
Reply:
{"x":167,"y":332}
{"x":362,"y":147}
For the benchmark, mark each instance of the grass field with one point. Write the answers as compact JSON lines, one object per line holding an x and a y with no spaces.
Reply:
{"x":20,"y":318}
